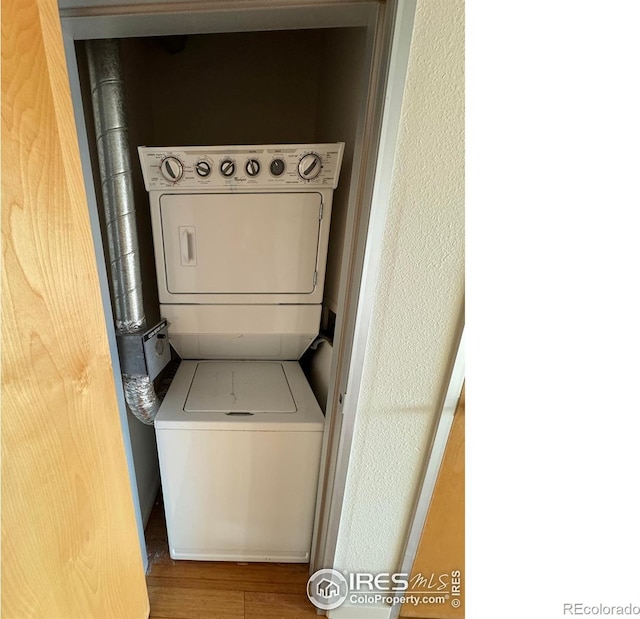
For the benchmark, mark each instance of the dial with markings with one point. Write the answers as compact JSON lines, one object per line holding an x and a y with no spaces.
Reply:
{"x":172,"y":169}
{"x":203,"y":168}
{"x":227,"y":168}
{"x":253,"y":167}
{"x":309,"y":166}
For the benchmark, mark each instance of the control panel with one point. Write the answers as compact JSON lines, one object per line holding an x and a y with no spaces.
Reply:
{"x":253,"y":167}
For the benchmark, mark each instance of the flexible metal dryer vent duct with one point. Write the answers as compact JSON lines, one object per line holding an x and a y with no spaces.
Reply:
{"x":107,"y":96}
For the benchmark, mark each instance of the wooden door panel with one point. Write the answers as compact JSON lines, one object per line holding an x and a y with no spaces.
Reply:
{"x":441,"y":548}
{"x":69,"y":538}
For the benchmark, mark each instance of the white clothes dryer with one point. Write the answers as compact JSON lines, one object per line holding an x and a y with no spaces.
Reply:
{"x":240,"y":240}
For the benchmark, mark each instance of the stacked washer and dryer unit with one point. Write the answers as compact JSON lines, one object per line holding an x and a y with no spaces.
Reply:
{"x":240,"y":236}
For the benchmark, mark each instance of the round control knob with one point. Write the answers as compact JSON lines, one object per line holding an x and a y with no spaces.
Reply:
{"x":277,"y":167}
{"x":203,"y":168}
{"x":309,"y":166}
{"x":227,"y":168}
{"x":253,"y":167}
{"x":172,"y":169}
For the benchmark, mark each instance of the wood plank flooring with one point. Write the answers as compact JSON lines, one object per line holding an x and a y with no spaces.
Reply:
{"x":221,"y":590}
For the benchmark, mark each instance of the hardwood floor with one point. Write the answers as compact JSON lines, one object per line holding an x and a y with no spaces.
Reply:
{"x":218,"y":590}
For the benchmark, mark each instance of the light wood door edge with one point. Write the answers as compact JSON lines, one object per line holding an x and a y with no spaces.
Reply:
{"x":441,"y":548}
{"x":69,"y":537}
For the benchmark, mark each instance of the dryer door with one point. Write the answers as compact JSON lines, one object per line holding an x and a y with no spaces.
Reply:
{"x":241,"y":243}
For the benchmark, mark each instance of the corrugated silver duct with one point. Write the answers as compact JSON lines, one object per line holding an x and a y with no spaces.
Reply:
{"x":107,"y":96}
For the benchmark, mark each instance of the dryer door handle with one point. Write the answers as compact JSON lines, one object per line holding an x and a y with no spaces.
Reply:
{"x":187,"y":246}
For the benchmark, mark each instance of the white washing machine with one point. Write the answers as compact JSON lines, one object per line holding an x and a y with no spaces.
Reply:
{"x":240,"y":237}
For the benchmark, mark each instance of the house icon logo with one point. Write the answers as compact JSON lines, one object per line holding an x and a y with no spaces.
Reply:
{"x":327,"y":589}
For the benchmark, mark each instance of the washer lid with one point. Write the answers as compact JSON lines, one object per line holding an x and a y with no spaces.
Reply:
{"x":228,"y":387}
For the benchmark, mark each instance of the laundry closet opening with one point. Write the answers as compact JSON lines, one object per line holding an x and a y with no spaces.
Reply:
{"x":273,"y":87}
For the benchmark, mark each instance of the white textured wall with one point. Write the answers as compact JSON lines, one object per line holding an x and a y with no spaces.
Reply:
{"x":418,"y":302}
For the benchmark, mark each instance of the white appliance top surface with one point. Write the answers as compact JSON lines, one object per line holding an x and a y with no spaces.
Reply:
{"x":240,"y":396}
{"x":241,"y":168}
{"x":248,"y":387}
